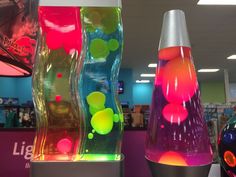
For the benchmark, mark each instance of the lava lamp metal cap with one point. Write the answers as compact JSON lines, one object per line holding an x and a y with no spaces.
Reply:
{"x":174,"y":30}
{"x":81,"y":3}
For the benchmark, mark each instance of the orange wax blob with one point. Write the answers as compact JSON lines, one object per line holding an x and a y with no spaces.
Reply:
{"x":179,"y":81}
{"x":174,"y":52}
{"x":169,"y":53}
{"x":172,"y":158}
{"x":64,"y":145}
{"x":229,"y":158}
{"x":158,"y":78}
{"x":175,"y":113}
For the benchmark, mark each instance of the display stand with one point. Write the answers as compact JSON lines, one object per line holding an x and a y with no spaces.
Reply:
{"x":78,"y":169}
{"x":162,"y":170}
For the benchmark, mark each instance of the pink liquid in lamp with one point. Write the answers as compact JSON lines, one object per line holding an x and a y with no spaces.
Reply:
{"x":177,"y":133}
{"x":62,"y":28}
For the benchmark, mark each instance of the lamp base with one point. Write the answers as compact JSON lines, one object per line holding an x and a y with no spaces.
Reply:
{"x":162,"y":170}
{"x":77,"y":169}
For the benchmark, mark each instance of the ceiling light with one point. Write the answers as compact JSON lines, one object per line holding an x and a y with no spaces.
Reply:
{"x":152,"y":65}
{"x":216,"y":2}
{"x":147,"y":75}
{"x":142,"y":81}
{"x":232,"y":57}
{"x":208,"y":70}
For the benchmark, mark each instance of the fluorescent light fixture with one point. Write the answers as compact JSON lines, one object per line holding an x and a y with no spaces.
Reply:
{"x":148,"y":75}
{"x":208,"y":70}
{"x":232,"y":57}
{"x":142,"y":81}
{"x":152,"y":65}
{"x":216,"y":2}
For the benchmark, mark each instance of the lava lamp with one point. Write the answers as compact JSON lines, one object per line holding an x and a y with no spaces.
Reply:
{"x":103,"y":39}
{"x":79,"y":119}
{"x":227,"y":147}
{"x":177,"y":141}
{"x":59,"y":116}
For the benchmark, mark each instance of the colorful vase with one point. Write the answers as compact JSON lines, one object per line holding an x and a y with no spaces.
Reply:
{"x":177,"y":135}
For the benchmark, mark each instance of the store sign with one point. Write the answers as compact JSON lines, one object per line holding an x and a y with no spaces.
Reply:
{"x":15,"y":153}
{"x":18,"y":31}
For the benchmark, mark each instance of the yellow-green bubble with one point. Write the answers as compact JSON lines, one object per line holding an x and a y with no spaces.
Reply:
{"x":113,"y":44}
{"x":99,"y":49}
{"x":110,"y":21}
{"x":93,"y":110}
{"x":96,"y":99}
{"x":116,"y":118}
{"x":93,"y":131}
{"x":102,"y":121}
{"x":90,"y":136}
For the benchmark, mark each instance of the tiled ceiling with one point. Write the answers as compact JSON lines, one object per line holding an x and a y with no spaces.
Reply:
{"x":212,"y":31}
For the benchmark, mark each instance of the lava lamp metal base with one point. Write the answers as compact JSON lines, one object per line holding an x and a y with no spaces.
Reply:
{"x":77,"y":169}
{"x":162,"y":170}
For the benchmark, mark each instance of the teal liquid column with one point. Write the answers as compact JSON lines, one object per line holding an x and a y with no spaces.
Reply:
{"x":103,"y":44}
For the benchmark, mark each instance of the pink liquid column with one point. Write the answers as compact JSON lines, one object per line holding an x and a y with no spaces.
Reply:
{"x":177,"y":134}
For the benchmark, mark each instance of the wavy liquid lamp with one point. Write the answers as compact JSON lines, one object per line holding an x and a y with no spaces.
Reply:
{"x":79,"y":124}
{"x":103,"y":36}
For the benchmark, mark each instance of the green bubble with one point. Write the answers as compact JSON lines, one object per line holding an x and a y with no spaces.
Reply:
{"x":96,"y":99}
{"x":86,"y":150}
{"x":116,"y":118}
{"x":110,"y":20}
{"x":102,"y":121}
{"x":93,"y":131}
{"x":99,"y":49}
{"x":90,"y":136}
{"x":94,"y":110}
{"x":113,"y":44}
